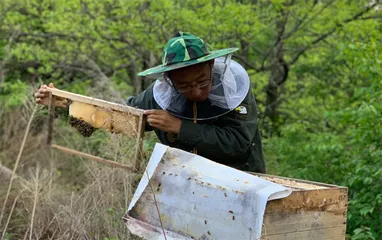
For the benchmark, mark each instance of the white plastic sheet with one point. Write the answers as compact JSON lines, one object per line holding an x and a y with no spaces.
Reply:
{"x":198,"y":199}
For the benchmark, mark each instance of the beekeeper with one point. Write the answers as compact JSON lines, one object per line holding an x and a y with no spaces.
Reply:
{"x":201,"y":101}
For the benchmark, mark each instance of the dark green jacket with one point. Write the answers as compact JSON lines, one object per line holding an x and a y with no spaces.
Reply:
{"x":232,"y":139}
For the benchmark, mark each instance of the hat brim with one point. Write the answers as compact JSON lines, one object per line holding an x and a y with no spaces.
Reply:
{"x":161,"y":69}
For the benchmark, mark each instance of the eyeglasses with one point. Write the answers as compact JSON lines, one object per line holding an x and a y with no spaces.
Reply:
{"x":201,"y":84}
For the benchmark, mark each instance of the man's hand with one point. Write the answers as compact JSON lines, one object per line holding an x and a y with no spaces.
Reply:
{"x":42,"y":97}
{"x":163,"y":120}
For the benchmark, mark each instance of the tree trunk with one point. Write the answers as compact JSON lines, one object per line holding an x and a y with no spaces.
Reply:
{"x":279,"y":74}
{"x":149,"y":61}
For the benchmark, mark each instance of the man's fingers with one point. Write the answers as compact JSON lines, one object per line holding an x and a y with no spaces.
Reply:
{"x":153,"y":111}
{"x":38,"y":100}
{"x":156,"y":125}
{"x":153,"y":121}
{"x":156,"y":114}
{"x":147,"y":112}
{"x":39,"y":95}
{"x":43,"y":90}
{"x":157,"y":117}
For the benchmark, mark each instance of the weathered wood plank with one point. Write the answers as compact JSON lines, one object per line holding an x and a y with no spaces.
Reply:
{"x":269,"y":177}
{"x":334,"y":233}
{"x":318,"y":214}
{"x":95,"y":101}
{"x":330,"y":200}
{"x":284,"y":222}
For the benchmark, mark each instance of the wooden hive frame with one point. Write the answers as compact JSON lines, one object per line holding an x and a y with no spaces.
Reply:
{"x":125,"y":112}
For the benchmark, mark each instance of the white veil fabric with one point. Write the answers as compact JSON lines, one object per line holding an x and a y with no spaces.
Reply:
{"x":230,"y":86}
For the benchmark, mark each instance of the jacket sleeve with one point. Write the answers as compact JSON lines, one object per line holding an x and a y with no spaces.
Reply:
{"x":229,"y":139}
{"x":144,"y":100}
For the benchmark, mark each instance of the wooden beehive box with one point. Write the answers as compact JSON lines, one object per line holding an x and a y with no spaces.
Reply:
{"x":313,"y":211}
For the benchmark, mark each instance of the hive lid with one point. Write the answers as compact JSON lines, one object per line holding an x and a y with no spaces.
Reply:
{"x":198,"y":199}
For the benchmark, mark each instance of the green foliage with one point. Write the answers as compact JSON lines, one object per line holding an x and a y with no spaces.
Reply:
{"x":329,"y":127}
{"x":13,"y":94}
{"x":344,"y":146}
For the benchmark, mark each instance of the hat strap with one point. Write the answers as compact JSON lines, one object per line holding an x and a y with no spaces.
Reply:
{"x":195,"y":111}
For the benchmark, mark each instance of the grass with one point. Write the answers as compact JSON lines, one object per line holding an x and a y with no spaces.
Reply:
{"x":58,"y":196}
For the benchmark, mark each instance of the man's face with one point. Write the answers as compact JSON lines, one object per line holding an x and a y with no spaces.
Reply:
{"x":194,"y":82}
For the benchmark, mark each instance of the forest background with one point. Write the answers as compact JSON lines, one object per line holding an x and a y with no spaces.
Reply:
{"x":315,"y":68}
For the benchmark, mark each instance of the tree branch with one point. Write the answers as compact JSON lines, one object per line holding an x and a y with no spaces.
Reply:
{"x":371,"y":17}
{"x":316,"y":15}
{"x":330,"y":32}
{"x":301,"y":23}
{"x":248,"y":64}
{"x":279,"y":38}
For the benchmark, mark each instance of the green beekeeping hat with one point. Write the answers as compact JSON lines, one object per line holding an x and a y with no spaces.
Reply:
{"x":183,"y":50}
